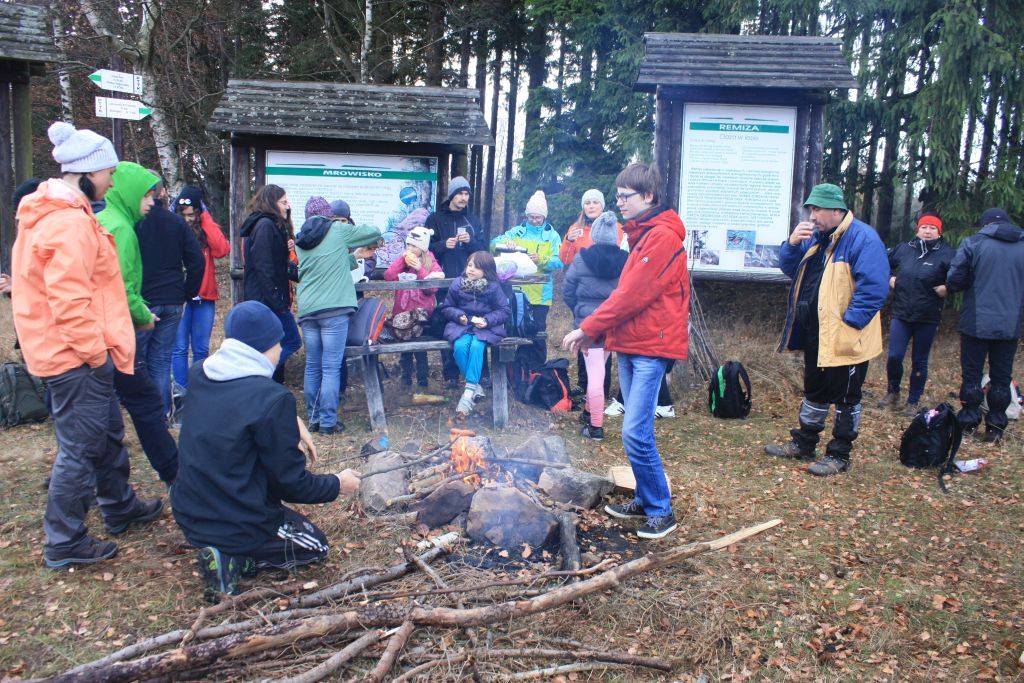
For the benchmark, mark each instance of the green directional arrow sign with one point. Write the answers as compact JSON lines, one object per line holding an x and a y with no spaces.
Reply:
{"x":118,"y":81}
{"x":114,"y":108}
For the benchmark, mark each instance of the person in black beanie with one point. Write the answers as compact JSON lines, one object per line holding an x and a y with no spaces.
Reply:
{"x":243,"y":451}
{"x":989,"y":269}
{"x":172,"y":270}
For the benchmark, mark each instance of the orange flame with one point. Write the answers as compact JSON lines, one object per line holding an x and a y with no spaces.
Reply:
{"x":467,"y":456}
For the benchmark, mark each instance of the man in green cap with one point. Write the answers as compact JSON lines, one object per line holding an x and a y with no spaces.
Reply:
{"x":840,"y":275}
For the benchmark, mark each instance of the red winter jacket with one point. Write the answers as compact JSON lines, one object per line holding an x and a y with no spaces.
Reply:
{"x":648,"y":313}
{"x":217,"y":246}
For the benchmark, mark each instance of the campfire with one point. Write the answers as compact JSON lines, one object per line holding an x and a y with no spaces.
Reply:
{"x":467,"y":456}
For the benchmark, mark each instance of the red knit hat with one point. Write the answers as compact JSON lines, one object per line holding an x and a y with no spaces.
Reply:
{"x":930,"y":219}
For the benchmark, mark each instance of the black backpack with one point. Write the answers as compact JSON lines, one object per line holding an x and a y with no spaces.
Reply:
{"x":932,"y":440}
{"x":520,"y":320}
{"x":524,"y":366}
{"x":21,"y":396}
{"x":729,"y":391}
{"x":366,"y":324}
{"x":549,"y":386}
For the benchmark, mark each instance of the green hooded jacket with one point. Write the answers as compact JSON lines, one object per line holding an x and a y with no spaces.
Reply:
{"x":131,"y":183}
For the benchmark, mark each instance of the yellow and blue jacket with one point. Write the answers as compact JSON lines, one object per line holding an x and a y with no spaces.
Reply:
{"x":543,"y":241}
{"x":852,"y":291}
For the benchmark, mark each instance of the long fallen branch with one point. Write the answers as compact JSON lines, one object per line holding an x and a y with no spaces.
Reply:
{"x":336,"y":661}
{"x":291,"y":632}
{"x":411,"y":463}
{"x":395,"y":646}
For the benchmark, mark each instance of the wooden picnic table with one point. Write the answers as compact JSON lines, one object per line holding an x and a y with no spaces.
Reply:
{"x":501,"y":354}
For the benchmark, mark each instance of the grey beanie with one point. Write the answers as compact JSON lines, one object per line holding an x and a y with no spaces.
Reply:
{"x":605,"y":229}
{"x":457,"y":185}
{"x":80,"y":151}
{"x":340,"y":208}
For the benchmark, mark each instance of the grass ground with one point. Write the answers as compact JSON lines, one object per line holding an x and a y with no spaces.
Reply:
{"x":875,"y":574}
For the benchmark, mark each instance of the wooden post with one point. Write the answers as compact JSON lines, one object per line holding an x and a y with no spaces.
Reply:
{"x":815,"y":145}
{"x":240,"y":170}
{"x":799,"y":164}
{"x":116,"y":125}
{"x":374,"y":394}
{"x":663,"y":143}
{"x":6,"y":178}
{"x":460,"y":162}
{"x":22,"y":101}
{"x":499,"y":388}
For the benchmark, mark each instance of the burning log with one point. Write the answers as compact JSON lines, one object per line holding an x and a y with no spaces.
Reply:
{"x":570,"y":550}
{"x":287,"y":634}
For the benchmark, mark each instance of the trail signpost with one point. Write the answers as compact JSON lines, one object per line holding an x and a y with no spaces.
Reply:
{"x":114,"y":108}
{"x":118,"y":81}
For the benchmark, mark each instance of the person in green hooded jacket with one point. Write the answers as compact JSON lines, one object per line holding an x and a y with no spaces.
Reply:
{"x":126,"y":204}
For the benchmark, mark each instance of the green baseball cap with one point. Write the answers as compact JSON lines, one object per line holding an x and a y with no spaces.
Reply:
{"x":826,"y":196}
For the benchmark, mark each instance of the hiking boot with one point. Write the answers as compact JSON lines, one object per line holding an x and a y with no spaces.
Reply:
{"x":789,"y":449}
{"x":911,"y":409}
{"x":592,"y":432}
{"x":585,"y":417}
{"x":631,"y":510}
{"x":890,"y":400}
{"x":149,"y":512}
{"x":657,"y":527}
{"x":992,"y":436}
{"x":828,"y":466}
{"x":615,"y":409}
{"x":96,"y":551}
{"x":664,"y":411}
{"x":220,"y":572}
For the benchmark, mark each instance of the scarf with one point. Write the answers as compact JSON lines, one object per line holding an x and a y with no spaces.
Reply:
{"x":474,"y":287}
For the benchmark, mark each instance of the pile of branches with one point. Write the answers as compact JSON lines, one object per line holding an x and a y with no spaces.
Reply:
{"x":372,"y":633}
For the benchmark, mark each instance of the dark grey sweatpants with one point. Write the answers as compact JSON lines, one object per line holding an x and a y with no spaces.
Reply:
{"x":90,"y":458}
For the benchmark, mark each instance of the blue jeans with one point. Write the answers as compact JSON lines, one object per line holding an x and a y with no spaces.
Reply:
{"x":900,"y":334}
{"x":193,"y":330}
{"x":325,"y":354}
{"x":640,"y":378}
{"x":291,"y":343}
{"x":469,"y":356}
{"x":157,"y":347}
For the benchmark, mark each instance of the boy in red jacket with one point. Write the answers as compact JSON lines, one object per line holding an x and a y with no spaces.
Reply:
{"x":645,"y":322}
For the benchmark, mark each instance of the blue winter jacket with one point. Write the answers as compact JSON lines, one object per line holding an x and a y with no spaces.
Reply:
{"x":853,"y":290}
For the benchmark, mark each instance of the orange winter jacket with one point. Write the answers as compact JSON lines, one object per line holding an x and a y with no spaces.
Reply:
{"x":568,"y":251}
{"x":67,"y":294}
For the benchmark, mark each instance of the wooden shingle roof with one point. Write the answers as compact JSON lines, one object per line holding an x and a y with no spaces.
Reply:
{"x":710,"y":60}
{"x":452,"y":116}
{"x":25,"y":34}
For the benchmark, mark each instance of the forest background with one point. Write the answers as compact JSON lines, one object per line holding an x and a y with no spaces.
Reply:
{"x":936,"y":122}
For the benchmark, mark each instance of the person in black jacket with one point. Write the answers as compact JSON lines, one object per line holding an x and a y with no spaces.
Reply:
{"x":242,"y":456}
{"x":457,"y":234}
{"x":269,"y":267}
{"x":168,"y":247}
{"x":989,"y":269}
{"x":918,"y":285}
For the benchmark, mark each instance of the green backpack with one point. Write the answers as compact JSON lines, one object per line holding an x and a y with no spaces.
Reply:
{"x":21,"y":396}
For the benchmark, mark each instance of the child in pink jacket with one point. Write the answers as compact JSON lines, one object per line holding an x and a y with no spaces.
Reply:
{"x":413,"y":307}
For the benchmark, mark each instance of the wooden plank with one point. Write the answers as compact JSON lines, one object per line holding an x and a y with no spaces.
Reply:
{"x":786,"y":97}
{"x":726,"y":38}
{"x":499,"y":389}
{"x":750,"y":82}
{"x":6,"y":179}
{"x":240,"y":170}
{"x":663,"y":144}
{"x":456,"y":135}
{"x":426,"y":345}
{"x":374,"y":393}
{"x":439,"y":283}
{"x":417,"y":90}
{"x":22,"y":126}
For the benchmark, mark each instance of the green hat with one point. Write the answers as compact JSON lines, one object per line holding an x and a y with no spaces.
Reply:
{"x":826,"y":196}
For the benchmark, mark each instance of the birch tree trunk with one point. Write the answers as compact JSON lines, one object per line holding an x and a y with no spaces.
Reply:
{"x":67,"y":109}
{"x":364,"y":52}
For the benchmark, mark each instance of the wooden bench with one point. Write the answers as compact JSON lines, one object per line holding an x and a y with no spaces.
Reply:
{"x":501,"y":355}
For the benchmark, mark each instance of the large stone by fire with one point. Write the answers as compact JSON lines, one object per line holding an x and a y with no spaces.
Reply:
{"x":505,"y":516}
{"x":570,"y":485}
{"x":548,"y":449}
{"x":375,"y":491}
{"x":445,"y":503}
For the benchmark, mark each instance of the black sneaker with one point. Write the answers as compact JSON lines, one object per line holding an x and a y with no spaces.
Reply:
{"x":828,"y":466}
{"x":631,"y":510}
{"x":97,"y":551}
{"x":788,"y":450}
{"x":657,"y":527}
{"x":314,"y":427}
{"x":585,"y":417}
{"x":147,"y":514}
{"x":592,"y":432}
{"x":336,"y":428}
{"x":220,"y":572}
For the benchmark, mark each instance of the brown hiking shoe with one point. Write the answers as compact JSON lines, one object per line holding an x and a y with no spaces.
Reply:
{"x":891,"y":400}
{"x":828,"y":466}
{"x":788,"y":450}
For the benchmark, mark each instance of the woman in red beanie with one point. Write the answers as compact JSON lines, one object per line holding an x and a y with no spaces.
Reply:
{"x":918,"y":284}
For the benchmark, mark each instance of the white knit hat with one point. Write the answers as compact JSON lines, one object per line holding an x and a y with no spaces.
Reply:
{"x":419,"y":237}
{"x":80,"y":151}
{"x":538,"y":204}
{"x":593,"y":195}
